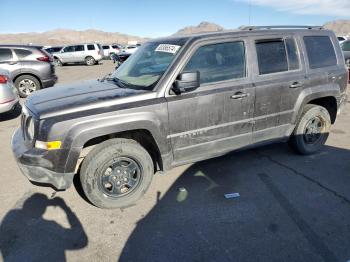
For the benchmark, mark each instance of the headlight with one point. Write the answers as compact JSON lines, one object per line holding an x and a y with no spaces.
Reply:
{"x":30,"y":128}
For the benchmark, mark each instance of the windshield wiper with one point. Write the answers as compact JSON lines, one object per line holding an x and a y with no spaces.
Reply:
{"x":119,"y":82}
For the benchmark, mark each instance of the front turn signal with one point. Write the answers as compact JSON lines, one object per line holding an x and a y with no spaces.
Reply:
{"x":52,"y":145}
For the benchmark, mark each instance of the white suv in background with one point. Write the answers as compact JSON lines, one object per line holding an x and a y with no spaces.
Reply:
{"x":108,"y":50}
{"x":130,"y":49}
{"x":90,"y":54}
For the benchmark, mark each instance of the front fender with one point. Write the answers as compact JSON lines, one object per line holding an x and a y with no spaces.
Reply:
{"x":82,"y":132}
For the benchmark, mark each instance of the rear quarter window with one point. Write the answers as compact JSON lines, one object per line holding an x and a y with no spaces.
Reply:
{"x":22,"y":53}
{"x":320,"y":51}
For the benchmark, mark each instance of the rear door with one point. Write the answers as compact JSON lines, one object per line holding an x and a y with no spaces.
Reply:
{"x":216,"y":117}
{"x":79,"y":53}
{"x":279,"y":77}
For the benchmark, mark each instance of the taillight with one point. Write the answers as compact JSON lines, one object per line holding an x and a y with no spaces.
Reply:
{"x":99,"y":52}
{"x":3,"y":79}
{"x":44,"y":59}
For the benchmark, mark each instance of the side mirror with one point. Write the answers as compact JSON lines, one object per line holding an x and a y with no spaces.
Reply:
{"x":186,"y":81}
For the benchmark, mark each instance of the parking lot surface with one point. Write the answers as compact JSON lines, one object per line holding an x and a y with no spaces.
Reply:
{"x":291,"y":207}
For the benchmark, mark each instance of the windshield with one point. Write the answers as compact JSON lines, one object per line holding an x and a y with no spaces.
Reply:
{"x":147,"y":65}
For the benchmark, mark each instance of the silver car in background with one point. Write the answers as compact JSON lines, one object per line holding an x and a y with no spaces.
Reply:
{"x":90,"y":54}
{"x":8,"y":93}
{"x":30,"y":67}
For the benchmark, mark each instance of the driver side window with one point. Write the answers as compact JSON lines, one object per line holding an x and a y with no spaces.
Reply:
{"x":68,"y":48}
{"x":219,"y":62}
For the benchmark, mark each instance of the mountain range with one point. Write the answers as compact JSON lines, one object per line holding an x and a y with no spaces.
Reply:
{"x":68,"y":36}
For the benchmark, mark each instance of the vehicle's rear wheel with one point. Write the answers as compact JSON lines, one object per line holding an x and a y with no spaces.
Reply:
{"x":27,"y":84}
{"x":57,"y":62}
{"x":90,"y":61}
{"x":312,"y":130}
{"x":116,"y":173}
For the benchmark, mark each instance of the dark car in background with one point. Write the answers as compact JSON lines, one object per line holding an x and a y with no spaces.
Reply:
{"x":30,"y":67}
{"x":53,"y":49}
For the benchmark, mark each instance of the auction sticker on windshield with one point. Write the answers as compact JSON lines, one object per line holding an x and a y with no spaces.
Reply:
{"x":167,"y":48}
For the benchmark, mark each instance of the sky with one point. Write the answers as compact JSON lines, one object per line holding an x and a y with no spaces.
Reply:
{"x":155,"y":18}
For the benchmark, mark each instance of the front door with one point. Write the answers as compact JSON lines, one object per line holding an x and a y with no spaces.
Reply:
{"x":66,"y":54}
{"x":216,"y":117}
{"x":279,"y":78}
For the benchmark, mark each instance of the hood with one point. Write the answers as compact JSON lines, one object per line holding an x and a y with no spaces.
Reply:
{"x":75,"y":96}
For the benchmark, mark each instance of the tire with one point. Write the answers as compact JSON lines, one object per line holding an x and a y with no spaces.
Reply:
{"x":311,"y":131}
{"x":102,"y":170}
{"x":27,"y":84}
{"x":57,"y":62}
{"x":89,"y":60}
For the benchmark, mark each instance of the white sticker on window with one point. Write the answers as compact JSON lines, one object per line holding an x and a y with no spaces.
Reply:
{"x":167,"y":48}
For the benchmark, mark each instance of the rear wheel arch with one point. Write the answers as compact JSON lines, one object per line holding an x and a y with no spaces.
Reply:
{"x":329,"y":103}
{"x":324,"y":98}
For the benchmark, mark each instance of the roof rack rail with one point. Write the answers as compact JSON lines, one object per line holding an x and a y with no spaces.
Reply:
{"x":250,"y":28}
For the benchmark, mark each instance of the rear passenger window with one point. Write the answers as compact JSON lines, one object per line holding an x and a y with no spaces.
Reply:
{"x":219,"y":62}
{"x":5,"y":54}
{"x":90,"y":47}
{"x":320,"y":51}
{"x":105,"y":47}
{"x":22,"y":53}
{"x":277,"y":55}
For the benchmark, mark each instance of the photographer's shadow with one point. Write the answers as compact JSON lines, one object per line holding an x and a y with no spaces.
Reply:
{"x":26,"y":236}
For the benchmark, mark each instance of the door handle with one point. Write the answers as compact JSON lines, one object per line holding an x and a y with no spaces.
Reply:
{"x":296,"y":85}
{"x":239,"y":95}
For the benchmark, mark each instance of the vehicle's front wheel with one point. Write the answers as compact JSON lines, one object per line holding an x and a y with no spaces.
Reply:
{"x":312,"y":130}
{"x":90,"y":61}
{"x":116,"y":173}
{"x":27,"y":84}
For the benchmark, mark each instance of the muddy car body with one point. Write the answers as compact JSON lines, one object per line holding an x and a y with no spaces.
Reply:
{"x":207,"y":95}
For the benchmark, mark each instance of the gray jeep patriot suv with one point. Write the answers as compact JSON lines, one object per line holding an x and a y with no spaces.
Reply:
{"x":179,"y":100}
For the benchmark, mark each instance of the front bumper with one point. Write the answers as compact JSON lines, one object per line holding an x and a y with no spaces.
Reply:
{"x":35,"y":167}
{"x":49,"y":82}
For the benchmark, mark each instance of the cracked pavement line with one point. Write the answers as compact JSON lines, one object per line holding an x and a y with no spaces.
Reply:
{"x":335,"y":193}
